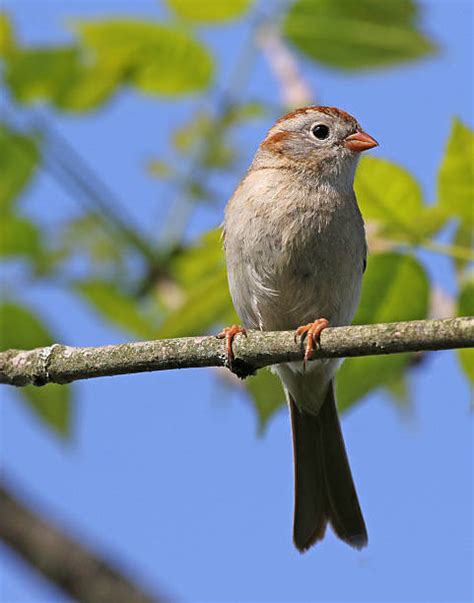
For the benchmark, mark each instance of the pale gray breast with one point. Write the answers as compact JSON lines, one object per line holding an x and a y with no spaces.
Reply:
{"x":293,"y":255}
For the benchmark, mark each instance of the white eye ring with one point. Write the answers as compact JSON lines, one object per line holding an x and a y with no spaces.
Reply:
{"x":320,"y":131}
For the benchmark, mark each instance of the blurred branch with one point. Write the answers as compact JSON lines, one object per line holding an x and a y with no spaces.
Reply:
{"x":76,"y":570}
{"x":294,"y":89}
{"x":453,"y":251}
{"x":72,"y":172}
{"x":63,"y":364}
{"x":77,"y":178}
{"x":456,"y":252}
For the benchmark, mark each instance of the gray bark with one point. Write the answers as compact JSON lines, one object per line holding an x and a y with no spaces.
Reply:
{"x":64,"y":364}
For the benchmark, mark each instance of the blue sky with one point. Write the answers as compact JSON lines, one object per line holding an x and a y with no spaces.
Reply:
{"x":165,"y":472}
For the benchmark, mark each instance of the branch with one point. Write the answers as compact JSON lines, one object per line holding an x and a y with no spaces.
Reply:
{"x":63,"y":364}
{"x":76,"y":570}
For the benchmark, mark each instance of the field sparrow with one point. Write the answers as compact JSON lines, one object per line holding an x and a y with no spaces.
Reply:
{"x":296,"y":251}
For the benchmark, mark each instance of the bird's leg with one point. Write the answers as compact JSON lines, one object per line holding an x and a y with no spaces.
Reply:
{"x":228,"y":333}
{"x":312,"y":331}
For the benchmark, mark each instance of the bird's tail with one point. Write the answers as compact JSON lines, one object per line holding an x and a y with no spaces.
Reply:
{"x":324,"y":489}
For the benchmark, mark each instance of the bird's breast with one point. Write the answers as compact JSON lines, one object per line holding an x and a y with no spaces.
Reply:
{"x":294,"y":255}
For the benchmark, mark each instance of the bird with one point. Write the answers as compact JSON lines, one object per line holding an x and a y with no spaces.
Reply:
{"x":296,"y":251}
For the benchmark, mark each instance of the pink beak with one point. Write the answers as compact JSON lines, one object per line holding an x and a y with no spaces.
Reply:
{"x":360,"y":141}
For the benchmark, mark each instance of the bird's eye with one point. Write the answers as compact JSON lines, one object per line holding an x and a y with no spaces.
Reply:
{"x":320,"y":131}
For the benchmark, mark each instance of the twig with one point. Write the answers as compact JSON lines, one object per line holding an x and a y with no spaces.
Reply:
{"x":77,"y":571}
{"x":63,"y":364}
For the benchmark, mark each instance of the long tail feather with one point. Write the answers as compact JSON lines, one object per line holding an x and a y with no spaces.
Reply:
{"x":324,"y":488}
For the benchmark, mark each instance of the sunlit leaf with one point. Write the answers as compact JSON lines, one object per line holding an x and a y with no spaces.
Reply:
{"x":206,"y":303}
{"x":267,"y":395}
{"x":456,"y":175}
{"x":61,"y":76}
{"x":355,"y":35}
{"x":7,"y":39}
{"x":117,"y":307}
{"x":41,"y":73}
{"x":157,"y":59}
{"x":359,"y":376}
{"x":21,"y":329}
{"x":395,"y":288}
{"x":201,"y":260}
{"x":92,"y":86}
{"x":19,"y":237}
{"x":19,"y":158}
{"x":390,"y":196}
{"x":463,"y":239}
{"x":466,"y":308}
{"x":209,"y":10}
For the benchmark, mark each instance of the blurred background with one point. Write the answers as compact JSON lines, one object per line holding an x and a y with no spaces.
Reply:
{"x":125,"y":128}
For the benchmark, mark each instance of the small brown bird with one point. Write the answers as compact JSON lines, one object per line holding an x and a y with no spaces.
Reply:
{"x":296,"y":251}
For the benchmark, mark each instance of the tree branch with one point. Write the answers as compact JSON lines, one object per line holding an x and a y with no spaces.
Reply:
{"x":63,"y":364}
{"x":77,"y":571}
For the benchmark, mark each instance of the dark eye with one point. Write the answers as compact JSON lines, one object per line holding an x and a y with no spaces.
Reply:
{"x":320,"y":131}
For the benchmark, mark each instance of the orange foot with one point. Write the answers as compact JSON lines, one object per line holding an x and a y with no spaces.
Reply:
{"x":229,"y":333}
{"x":312,"y":331}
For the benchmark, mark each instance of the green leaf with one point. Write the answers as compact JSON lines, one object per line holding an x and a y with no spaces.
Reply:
{"x":40,"y":73}
{"x":389,"y":196}
{"x":395,"y":288}
{"x":463,"y":239}
{"x":456,"y":175}
{"x":267,"y":395}
{"x":357,"y":377}
{"x":207,"y":137}
{"x":61,"y":76}
{"x":200,"y":261}
{"x":86,"y":236}
{"x":7,"y":38}
{"x":19,"y":236}
{"x":91,"y":87}
{"x":209,"y":10}
{"x":357,"y":35}
{"x":216,"y":153}
{"x":19,"y":158}
{"x":206,"y":302}
{"x":155,"y":58}
{"x":117,"y":307}
{"x":52,"y":403}
{"x":21,"y":329}
{"x":205,"y":305}
{"x":466,"y":308}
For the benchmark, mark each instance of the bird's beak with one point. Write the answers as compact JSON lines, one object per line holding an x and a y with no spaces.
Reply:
{"x":360,"y":141}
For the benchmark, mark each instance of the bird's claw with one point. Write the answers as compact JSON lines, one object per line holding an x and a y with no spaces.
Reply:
{"x":312,"y":332}
{"x":228,"y":333}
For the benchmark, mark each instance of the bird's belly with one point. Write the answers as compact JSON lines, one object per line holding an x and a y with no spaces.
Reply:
{"x":302,"y":293}
{"x":288,"y":267}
